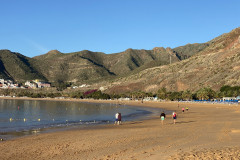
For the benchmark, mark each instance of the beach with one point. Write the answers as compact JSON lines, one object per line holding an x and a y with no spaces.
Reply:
{"x":206,"y":131}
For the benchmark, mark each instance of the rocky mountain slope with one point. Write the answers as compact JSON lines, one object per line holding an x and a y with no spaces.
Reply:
{"x":211,"y":64}
{"x":86,"y":66}
{"x":17,"y":67}
{"x":90,"y":67}
{"x":216,"y":65}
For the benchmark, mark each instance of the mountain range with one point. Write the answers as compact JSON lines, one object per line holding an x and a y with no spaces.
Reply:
{"x":211,"y":64}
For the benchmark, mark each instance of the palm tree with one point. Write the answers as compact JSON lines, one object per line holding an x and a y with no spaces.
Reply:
{"x":162,"y":93}
{"x":187,"y":95}
{"x":205,"y":93}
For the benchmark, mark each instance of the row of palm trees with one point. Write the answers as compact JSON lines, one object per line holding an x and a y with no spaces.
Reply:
{"x":202,"y":94}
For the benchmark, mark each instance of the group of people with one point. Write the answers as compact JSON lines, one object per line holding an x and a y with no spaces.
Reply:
{"x":174,"y":115}
{"x":118,"y":118}
{"x":163,"y":117}
{"x":183,"y":109}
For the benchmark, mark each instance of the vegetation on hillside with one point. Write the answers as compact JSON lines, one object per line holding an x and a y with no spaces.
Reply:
{"x":86,"y":66}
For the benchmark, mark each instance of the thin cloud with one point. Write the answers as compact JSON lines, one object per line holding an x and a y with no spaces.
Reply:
{"x":36,"y":45}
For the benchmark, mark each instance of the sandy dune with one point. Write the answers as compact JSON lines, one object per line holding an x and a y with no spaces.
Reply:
{"x":206,"y":131}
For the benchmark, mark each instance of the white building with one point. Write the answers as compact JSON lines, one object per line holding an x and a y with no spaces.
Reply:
{"x":31,"y":85}
{"x":7,"y":84}
{"x":2,"y":81}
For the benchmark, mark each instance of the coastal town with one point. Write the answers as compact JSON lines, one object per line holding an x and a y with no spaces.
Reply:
{"x":7,"y":84}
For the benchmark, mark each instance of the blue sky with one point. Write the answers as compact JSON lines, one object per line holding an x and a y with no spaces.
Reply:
{"x":33,"y":27}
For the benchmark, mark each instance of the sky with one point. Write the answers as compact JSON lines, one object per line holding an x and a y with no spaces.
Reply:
{"x":34,"y":27}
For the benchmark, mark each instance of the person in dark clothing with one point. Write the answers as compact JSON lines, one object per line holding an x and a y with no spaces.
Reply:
{"x":119,"y":118}
{"x":162,"y":116}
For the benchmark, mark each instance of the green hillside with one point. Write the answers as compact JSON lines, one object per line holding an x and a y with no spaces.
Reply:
{"x":86,"y":66}
{"x":17,"y":67}
{"x":96,"y":67}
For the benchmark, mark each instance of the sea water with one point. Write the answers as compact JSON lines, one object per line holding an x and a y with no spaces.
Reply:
{"x":23,"y":117}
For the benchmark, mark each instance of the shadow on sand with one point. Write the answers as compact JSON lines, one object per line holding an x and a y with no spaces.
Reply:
{"x":134,"y":122}
{"x":185,"y":122}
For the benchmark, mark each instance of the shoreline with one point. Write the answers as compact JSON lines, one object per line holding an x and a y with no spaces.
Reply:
{"x":109,"y":101}
{"x":203,"y":130}
{"x":6,"y":136}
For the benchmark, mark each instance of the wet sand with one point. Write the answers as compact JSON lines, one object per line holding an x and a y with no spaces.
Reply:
{"x":206,"y":131}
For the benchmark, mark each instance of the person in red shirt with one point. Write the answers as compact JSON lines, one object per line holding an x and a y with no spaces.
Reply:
{"x":174,"y":116}
{"x":182,"y":110}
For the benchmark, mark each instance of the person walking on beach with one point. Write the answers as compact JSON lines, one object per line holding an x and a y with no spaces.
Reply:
{"x":174,"y":116}
{"x":186,"y":108}
{"x":182,"y":110}
{"x":116,"y":118}
{"x":119,"y":118}
{"x":162,"y":116}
